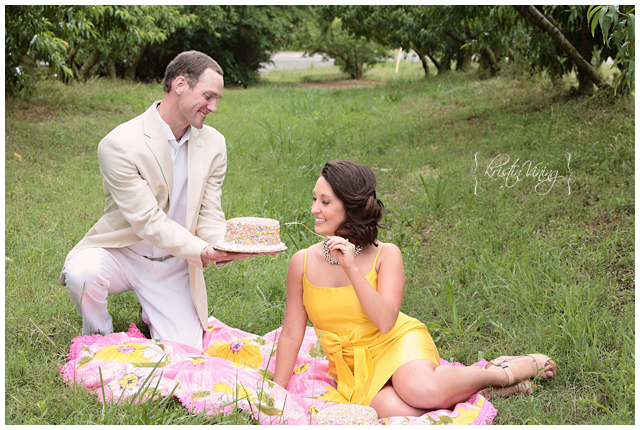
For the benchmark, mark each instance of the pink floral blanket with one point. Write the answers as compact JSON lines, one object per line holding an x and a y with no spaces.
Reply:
{"x":234,"y":371}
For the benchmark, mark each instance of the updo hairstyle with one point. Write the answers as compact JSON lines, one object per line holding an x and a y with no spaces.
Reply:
{"x":355,"y":186}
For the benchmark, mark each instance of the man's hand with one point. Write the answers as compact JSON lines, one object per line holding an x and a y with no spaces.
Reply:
{"x":211,"y":255}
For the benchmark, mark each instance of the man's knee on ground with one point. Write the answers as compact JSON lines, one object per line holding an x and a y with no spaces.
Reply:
{"x":81,"y":274}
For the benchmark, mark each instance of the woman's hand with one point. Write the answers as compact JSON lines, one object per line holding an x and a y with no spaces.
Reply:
{"x":381,"y":304}
{"x":345,"y":250}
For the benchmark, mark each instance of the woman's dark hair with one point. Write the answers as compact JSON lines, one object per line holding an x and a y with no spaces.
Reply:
{"x":355,"y":186}
{"x":191,"y":65}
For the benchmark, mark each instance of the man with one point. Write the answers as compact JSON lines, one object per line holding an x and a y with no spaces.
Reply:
{"x":162,"y":175}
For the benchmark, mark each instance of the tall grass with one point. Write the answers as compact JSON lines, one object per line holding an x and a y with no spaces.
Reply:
{"x":491,"y":269}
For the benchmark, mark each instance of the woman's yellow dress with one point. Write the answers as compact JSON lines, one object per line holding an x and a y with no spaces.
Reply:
{"x":361,"y":357}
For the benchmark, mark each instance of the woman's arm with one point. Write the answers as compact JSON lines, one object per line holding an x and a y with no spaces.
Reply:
{"x":382,"y":306}
{"x":294,"y":325}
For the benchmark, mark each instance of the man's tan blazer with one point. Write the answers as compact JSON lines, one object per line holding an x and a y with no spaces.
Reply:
{"x":137,"y":175}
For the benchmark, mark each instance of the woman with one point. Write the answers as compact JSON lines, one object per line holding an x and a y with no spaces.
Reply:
{"x":350,"y":286}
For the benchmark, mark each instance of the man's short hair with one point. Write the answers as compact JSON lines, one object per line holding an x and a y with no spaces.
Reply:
{"x":191,"y":65}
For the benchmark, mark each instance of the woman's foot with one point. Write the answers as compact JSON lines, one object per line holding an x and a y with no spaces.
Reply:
{"x":525,"y":367}
{"x":525,"y":387}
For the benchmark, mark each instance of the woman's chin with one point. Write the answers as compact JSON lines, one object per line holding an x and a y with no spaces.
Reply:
{"x":321,"y":229}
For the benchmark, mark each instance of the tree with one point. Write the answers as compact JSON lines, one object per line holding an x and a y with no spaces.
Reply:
{"x":618,"y":27}
{"x":30,"y":39}
{"x":80,"y":41}
{"x":352,"y":54}
{"x":122,"y":33}
{"x":476,"y":30}
{"x":239,"y":38}
{"x":441,"y":34}
{"x":532,"y":14}
{"x":408,"y":27}
{"x":167,"y":20}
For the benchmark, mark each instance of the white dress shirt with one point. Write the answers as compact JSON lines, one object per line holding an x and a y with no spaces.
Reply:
{"x":178,"y":204}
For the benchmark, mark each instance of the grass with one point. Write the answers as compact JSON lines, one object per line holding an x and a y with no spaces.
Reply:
{"x":491,"y":269}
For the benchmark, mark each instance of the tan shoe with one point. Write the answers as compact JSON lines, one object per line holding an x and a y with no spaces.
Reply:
{"x":524,"y":387}
{"x":545,"y":366}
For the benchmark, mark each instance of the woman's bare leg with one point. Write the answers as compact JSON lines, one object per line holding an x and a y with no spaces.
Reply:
{"x":387,"y":404}
{"x":423,"y":385}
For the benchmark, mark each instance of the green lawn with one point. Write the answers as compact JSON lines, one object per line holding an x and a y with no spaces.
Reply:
{"x":493,"y":267}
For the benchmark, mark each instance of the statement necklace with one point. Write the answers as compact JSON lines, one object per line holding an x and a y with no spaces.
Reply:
{"x":329,"y":258}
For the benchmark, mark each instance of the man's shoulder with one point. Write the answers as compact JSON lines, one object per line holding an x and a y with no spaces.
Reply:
{"x":133,"y":127}
{"x":208,"y":132}
{"x":211,"y":139}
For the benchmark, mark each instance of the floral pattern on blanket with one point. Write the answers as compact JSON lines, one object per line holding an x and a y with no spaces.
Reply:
{"x":235,"y":370}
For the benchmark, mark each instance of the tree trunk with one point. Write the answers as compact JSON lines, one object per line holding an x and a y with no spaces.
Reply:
{"x":85,"y":70}
{"x":425,"y":65}
{"x":423,"y":59}
{"x":434,"y":61}
{"x":487,"y":53}
{"x":111,"y":67}
{"x":491,"y":59}
{"x":463,"y":59}
{"x":357,"y":68}
{"x":539,"y":20}
{"x":73,"y":50}
{"x":446,"y":62}
{"x":132,"y":64}
{"x":585,"y":86}
{"x":467,"y":59}
{"x":454,"y":36}
{"x":460,"y":59}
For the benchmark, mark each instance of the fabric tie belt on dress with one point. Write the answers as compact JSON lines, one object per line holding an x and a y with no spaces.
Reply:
{"x":354,"y":387}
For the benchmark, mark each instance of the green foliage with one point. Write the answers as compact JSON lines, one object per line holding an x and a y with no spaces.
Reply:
{"x":120,"y":34}
{"x":83,"y":41}
{"x":79,"y":41}
{"x":498,"y":36}
{"x":30,"y":42}
{"x":410,"y":27}
{"x":239,"y":38}
{"x":618,"y":28}
{"x":353,"y":54}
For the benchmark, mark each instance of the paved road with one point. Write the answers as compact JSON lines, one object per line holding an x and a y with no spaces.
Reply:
{"x":294,"y":60}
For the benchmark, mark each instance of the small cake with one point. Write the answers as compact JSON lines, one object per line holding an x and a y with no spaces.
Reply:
{"x":343,"y":415}
{"x":251,"y":234}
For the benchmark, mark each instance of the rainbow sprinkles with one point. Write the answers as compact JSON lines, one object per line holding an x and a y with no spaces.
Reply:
{"x":252,"y":235}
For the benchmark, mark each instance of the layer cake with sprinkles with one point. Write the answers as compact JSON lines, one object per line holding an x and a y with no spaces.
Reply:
{"x":252,"y":234}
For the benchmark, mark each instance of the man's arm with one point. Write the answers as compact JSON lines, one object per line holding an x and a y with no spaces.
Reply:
{"x":139,"y":206}
{"x":211,"y":223}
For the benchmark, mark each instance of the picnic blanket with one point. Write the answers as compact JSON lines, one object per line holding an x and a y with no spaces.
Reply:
{"x":234,"y":370}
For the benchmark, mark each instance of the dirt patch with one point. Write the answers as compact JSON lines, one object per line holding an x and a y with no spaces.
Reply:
{"x":446,"y":110}
{"x":347,"y":84}
{"x":35,"y":113}
{"x":351,"y":83}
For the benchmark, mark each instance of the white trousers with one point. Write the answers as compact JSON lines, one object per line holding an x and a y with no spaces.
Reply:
{"x":162,"y":287}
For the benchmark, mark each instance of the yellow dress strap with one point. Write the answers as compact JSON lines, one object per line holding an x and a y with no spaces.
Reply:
{"x":304,"y":267}
{"x":374,"y":261}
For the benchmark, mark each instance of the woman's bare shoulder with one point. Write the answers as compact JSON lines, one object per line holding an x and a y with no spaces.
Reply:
{"x":389,"y":248}
{"x":389,"y":253}
{"x":297,"y":259}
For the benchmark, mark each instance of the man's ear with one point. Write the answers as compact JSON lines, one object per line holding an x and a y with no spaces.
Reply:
{"x":180,"y":85}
